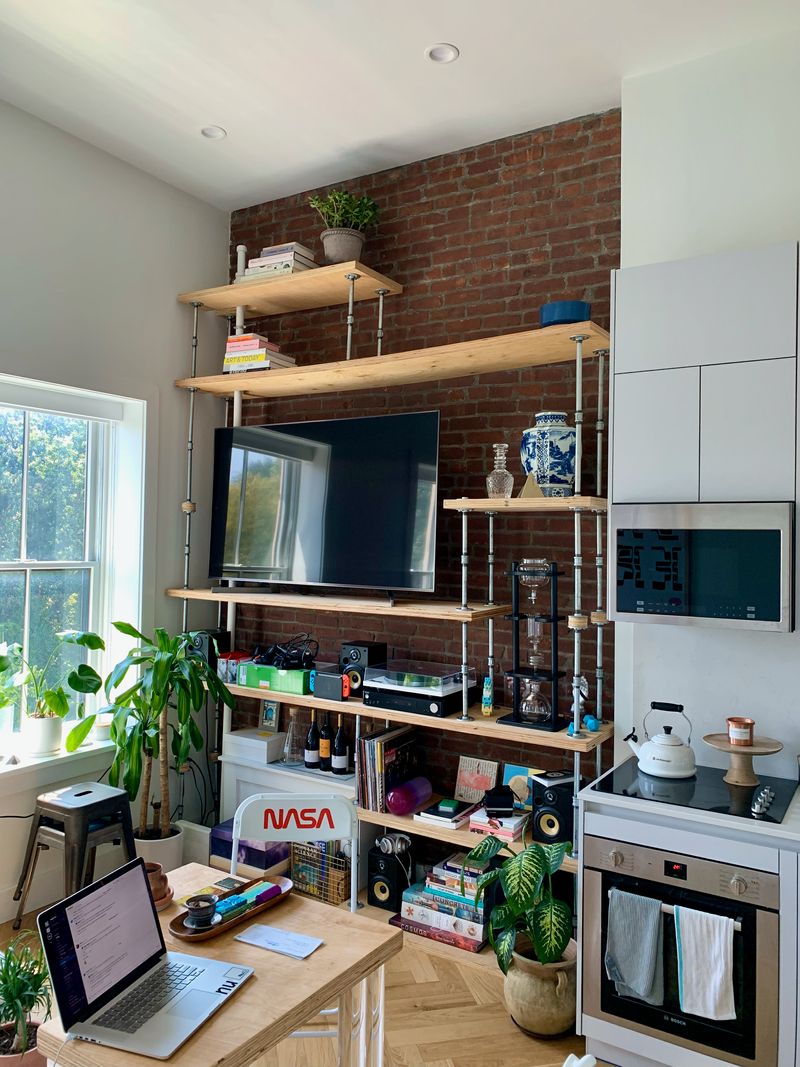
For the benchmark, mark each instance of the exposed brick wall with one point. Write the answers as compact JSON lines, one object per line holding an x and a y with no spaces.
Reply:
{"x":480,"y":239}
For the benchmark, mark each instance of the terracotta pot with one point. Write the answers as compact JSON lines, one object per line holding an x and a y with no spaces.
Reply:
{"x":342,"y":245}
{"x":31,"y":1058}
{"x":167,"y":851}
{"x":540,"y":997}
{"x":159,"y":885}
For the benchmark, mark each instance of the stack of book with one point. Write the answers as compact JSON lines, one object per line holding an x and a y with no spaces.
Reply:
{"x":509,"y":829}
{"x":253,"y":351}
{"x":386,"y":758}
{"x":276,"y":260}
{"x":437,"y":909}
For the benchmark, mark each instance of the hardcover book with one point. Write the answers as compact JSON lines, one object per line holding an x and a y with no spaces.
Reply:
{"x":474,"y":778}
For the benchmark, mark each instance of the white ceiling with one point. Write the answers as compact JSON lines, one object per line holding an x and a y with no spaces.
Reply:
{"x":316,"y":91}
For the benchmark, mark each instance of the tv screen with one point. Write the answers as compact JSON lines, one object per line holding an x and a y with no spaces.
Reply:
{"x":343,"y":502}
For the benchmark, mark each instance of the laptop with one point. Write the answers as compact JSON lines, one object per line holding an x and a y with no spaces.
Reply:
{"x":114,"y":981}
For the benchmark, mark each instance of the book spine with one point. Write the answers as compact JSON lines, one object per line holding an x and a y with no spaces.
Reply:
{"x":252,"y":354}
{"x":448,"y":894}
{"x":443,"y":936}
{"x":250,"y":345}
{"x":290,"y":246}
{"x":439,"y":920}
{"x":279,"y":257}
{"x":426,"y":898}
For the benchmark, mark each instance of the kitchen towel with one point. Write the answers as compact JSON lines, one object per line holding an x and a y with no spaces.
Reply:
{"x":635,"y":946}
{"x":705,"y":963}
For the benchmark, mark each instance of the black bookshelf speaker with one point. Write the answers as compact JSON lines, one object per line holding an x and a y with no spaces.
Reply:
{"x":553,"y":814}
{"x":386,"y":880}
{"x":362,"y":654}
{"x":203,"y":641}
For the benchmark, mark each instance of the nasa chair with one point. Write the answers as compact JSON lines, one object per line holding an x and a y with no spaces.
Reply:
{"x":302,"y":818}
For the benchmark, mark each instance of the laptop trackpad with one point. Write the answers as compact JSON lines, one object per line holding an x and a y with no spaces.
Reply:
{"x":194,"y":1004}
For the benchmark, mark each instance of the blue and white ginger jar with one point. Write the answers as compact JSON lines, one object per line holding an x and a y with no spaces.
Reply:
{"x":547,"y":452}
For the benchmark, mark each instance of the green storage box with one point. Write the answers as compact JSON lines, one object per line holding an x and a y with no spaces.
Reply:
{"x":261,"y":676}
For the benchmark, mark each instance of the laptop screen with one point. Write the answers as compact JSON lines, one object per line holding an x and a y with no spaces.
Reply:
{"x":99,"y":941}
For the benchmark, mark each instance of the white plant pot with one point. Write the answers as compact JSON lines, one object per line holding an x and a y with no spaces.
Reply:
{"x":42,"y":737}
{"x":167,"y":851}
{"x":101,"y":731}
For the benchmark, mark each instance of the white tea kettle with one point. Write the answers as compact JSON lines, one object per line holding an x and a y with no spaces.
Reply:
{"x":666,"y":755}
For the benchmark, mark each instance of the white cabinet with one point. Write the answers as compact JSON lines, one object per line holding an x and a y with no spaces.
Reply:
{"x":713,"y":309}
{"x":656,"y":436}
{"x":747,"y":431}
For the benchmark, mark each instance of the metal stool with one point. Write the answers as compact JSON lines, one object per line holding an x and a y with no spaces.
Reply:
{"x":76,"y":819}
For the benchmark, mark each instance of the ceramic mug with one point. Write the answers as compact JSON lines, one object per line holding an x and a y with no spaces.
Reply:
{"x":159,"y":886}
{"x":201,"y":909}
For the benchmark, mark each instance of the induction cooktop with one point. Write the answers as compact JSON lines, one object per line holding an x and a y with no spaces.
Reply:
{"x":704,"y":791}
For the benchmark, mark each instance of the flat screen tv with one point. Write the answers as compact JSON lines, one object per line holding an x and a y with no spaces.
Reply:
{"x":340,"y":502}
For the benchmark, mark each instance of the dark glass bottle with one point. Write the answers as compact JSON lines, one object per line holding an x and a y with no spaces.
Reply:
{"x":325,"y":739}
{"x":311,"y":754}
{"x":339,"y":754}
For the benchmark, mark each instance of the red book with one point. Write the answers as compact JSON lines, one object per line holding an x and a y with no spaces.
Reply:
{"x":445,"y":937}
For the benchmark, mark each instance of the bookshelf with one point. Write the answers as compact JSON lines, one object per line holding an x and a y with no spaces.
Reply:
{"x":544,"y":505}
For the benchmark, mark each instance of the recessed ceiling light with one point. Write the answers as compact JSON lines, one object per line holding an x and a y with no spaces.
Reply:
{"x":214,"y":133}
{"x":442,"y":53}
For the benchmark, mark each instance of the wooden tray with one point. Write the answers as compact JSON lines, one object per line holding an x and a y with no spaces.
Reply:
{"x":177,"y":929}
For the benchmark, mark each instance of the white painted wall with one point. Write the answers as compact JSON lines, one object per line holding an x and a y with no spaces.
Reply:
{"x":710,"y":157}
{"x":93,"y":253}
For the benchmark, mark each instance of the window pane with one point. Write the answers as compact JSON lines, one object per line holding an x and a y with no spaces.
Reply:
{"x":12,"y":606}
{"x":59,"y":601}
{"x":57,"y":466}
{"x":12,"y":428}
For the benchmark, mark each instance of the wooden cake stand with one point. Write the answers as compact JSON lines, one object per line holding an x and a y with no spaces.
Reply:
{"x":741,"y":770}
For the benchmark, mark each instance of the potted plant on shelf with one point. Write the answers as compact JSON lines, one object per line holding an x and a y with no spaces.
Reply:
{"x":48,"y":700}
{"x":346,"y":218}
{"x":24,"y":987}
{"x":530,"y":931}
{"x":172,"y":675}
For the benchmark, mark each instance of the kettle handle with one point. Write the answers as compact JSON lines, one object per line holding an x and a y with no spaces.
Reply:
{"x":660,"y":705}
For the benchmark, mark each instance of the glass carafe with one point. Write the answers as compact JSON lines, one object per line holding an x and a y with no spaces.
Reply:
{"x":294,"y":745}
{"x":500,"y":481}
{"x":533,"y":705}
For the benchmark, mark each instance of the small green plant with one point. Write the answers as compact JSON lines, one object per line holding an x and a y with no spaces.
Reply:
{"x":24,"y":986}
{"x":342,"y":210}
{"x":529,"y":906}
{"x":47,"y":699}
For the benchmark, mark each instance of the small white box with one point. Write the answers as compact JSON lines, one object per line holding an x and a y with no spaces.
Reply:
{"x":254,"y":744}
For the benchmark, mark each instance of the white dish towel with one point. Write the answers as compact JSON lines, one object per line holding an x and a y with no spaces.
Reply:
{"x":705,"y":963}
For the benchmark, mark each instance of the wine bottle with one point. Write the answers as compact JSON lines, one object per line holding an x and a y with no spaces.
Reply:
{"x":311,"y":754}
{"x":325,"y":738}
{"x":339,"y":753}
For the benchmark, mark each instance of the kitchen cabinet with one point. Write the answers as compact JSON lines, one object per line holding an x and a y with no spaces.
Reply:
{"x":656,"y":436}
{"x":748,"y":430}
{"x":725,"y":308}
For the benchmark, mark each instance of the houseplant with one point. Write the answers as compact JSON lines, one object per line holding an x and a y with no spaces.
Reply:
{"x":48,"y":699}
{"x":172,"y":675}
{"x":24,"y":987}
{"x":530,"y":931}
{"x":346,"y":219}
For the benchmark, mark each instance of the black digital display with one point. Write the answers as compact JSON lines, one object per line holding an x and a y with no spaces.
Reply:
{"x":675,"y":870}
{"x":708,"y":574}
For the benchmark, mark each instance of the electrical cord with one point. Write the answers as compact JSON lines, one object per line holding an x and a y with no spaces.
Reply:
{"x":17,"y":816}
{"x":64,"y":1043}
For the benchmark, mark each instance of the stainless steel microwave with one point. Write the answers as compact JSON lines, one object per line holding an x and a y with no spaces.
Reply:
{"x":729,"y":565}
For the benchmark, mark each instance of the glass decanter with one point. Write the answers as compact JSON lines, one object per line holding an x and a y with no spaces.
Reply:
{"x":500,"y":481}
{"x":294,"y":745}
{"x":533,"y":705}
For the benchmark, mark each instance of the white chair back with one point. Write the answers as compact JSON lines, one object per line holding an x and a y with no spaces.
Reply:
{"x":298,"y":817}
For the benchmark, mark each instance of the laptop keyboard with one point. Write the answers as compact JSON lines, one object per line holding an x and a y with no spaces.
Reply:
{"x":142,"y":1003}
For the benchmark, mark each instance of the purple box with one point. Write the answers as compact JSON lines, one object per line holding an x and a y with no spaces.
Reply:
{"x":260,"y":854}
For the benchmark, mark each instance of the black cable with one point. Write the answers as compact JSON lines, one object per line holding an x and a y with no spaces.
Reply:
{"x":17,"y":816}
{"x":203,"y":798}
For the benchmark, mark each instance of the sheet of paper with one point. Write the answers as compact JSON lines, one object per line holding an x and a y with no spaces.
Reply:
{"x":284,"y":941}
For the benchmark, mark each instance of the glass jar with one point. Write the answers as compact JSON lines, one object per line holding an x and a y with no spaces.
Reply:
{"x":499,"y":481}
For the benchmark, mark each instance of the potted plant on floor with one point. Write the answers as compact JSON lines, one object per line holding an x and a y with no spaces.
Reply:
{"x":173,"y":675}
{"x":48,"y":699}
{"x":347,"y":218}
{"x":531,"y":934}
{"x":24,"y":988}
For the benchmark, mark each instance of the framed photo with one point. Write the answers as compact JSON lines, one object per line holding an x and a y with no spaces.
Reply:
{"x":270,"y":712}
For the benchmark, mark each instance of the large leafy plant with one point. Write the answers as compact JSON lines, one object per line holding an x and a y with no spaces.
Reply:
{"x":529,"y":906}
{"x":172,"y":674}
{"x":24,"y":986}
{"x":341,"y":209}
{"x":49,"y":698}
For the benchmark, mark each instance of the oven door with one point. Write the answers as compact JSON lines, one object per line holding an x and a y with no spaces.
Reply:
{"x":752,"y":1037}
{"x":728,"y":565}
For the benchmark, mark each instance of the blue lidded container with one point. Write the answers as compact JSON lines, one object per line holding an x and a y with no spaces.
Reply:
{"x":560,"y":312}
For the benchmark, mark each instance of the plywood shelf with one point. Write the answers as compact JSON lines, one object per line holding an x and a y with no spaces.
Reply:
{"x":528,"y":505}
{"x":510,"y":351}
{"x":479,"y":726}
{"x":302,"y":291}
{"x":442,"y":610}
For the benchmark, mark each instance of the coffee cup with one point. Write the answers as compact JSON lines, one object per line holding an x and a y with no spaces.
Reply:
{"x":201,"y":909}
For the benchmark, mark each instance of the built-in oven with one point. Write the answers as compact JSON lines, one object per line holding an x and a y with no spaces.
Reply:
{"x":749,"y":897}
{"x":728,"y":565}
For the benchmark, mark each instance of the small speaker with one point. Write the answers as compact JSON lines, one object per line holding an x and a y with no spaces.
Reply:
{"x":356,"y":675}
{"x":386,"y":880}
{"x":203,"y":641}
{"x":553,"y":813}
{"x":362,"y":654}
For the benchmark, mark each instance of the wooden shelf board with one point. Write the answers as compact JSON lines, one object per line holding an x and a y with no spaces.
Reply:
{"x":479,"y":726}
{"x":444,"y":610}
{"x":510,"y":351}
{"x":528,"y":505}
{"x":303,"y":291}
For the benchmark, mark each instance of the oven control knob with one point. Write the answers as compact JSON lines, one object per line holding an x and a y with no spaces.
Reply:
{"x":615,"y":858}
{"x":738,"y":885}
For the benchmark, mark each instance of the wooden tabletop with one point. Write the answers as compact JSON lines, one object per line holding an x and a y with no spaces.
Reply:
{"x":281,"y":996}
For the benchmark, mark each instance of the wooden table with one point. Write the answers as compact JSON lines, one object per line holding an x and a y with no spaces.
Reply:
{"x":282,"y":996}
